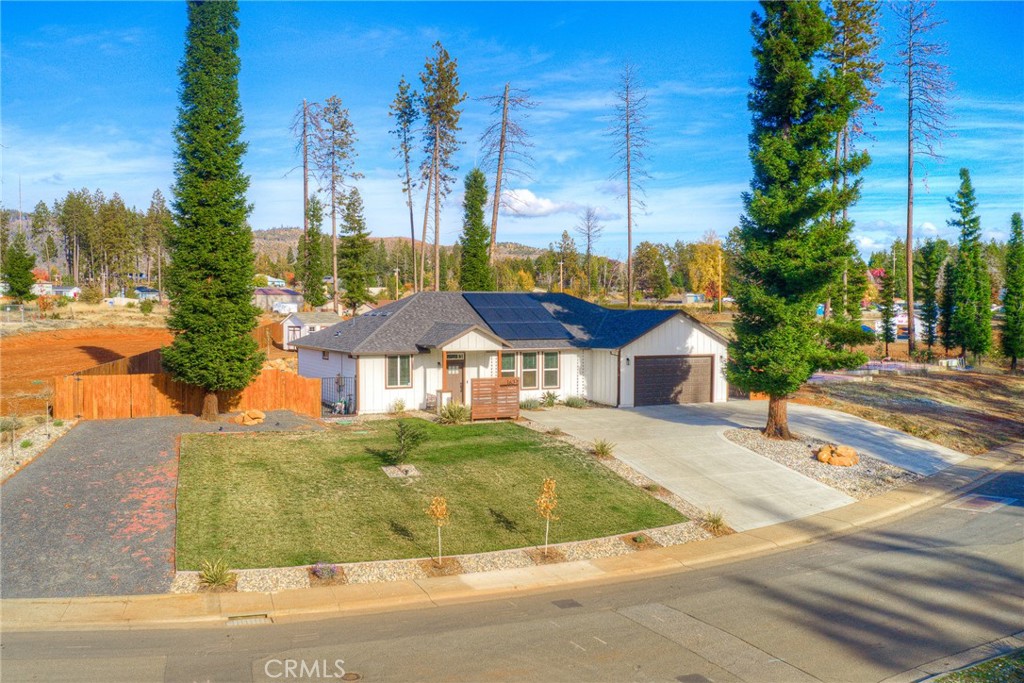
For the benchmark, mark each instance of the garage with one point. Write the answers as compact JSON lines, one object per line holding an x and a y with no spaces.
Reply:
{"x":673,"y":379}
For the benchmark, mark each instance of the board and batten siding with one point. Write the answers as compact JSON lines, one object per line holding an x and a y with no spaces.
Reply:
{"x":312,"y":364}
{"x":427,"y":380}
{"x":570,"y":381}
{"x":678,"y":336}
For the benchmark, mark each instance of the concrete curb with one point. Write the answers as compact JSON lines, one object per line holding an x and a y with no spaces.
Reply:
{"x":219,"y":609}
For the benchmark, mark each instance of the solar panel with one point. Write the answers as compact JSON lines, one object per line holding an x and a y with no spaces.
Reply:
{"x":516,"y":316}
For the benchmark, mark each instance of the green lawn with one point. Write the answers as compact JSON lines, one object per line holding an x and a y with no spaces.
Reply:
{"x":1006,"y":669}
{"x":266,"y":500}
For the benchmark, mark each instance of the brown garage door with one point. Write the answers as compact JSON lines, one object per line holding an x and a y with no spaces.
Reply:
{"x":672,"y":379}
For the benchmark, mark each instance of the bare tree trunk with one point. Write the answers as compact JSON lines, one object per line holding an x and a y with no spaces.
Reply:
{"x":210,"y":407}
{"x":778,"y":420}
{"x":412,"y":229}
{"x":305,"y":178}
{"x":629,"y":213}
{"x":159,"y":272}
{"x":910,"y":220}
{"x":423,"y":242}
{"x":437,"y":213}
{"x":497,"y":175}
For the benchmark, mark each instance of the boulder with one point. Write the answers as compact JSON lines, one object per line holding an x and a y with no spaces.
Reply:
{"x":256,"y":414}
{"x":840,"y":456}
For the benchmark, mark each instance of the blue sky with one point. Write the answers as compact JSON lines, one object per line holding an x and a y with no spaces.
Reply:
{"x":89,"y":92}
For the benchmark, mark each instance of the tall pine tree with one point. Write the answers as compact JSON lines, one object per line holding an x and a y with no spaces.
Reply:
{"x":1013,"y":302}
{"x":475,"y":274}
{"x":789,"y":248}
{"x":931,"y":257}
{"x":887,"y":307}
{"x":946,"y":304}
{"x":211,"y":270}
{"x":312,"y":267}
{"x":16,"y":269}
{"x":972,"y":314}
{"x":354,"y":252}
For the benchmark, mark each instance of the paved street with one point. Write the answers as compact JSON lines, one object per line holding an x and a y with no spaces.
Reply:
{"x":682,"y":448}
{"x":895,"y":601}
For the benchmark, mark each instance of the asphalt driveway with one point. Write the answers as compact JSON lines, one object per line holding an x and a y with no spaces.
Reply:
{"x":683,"y":449}
{"x":95,"y":513}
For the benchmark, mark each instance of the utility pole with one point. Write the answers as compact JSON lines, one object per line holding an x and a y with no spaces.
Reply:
{"x":561,"y":287}
{"x":719,"y":280}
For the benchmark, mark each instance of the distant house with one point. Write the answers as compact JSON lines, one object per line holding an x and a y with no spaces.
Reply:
{"x":428,"y":348}
{"x":273,"y":281}
{"x":68,"y":291}
{"x":43,"y":289}
{"x":298,"y":325}
{"x":147,"y":293}
{"x":267,"y":297}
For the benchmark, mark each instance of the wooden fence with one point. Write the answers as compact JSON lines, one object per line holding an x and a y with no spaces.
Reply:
{"x":104,"y":397}
{"x":139,"y":364}
{"x":494,"y":398}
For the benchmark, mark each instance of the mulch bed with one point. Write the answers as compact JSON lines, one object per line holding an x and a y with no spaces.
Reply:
{"x":339,"y":578}
{"x":640,"y":541}
{"x":553,"y":555}
{"x":449,"y":566}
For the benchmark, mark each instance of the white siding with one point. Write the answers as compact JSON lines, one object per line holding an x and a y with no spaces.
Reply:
{"x":375,"y":397}
{"x":570,"y":382}
{"x":602,"y":372}
{"x":473,"y":341}
{"x":312,"y":364}
{"x":677,"y":336}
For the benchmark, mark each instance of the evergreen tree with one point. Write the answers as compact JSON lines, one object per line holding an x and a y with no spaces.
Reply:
{"x":887,"y":307}
{"x":354,"y":254}
{"x":946,"y":332}
{"x":404,"y":110}
{"x":789,"y":248}
{"x":475,"y":274}
{"x":17,"y":269}
{"x":211,"y":270}
{"x":313,"y":267}
{"x":1013,"y":301}
{"x":651,"y":273}
{"x":931,"y":257}
{"x":972,"y":314}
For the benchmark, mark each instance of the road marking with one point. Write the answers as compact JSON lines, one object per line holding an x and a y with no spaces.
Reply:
{"x":599,"y":640}
{"x":578,"y":645}
{"x":978,"y":503}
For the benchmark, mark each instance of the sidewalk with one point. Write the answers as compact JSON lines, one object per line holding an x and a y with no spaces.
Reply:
{"x":165,"y":611}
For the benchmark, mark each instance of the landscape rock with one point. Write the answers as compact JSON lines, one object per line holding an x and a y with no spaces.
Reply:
{"x":840,"y":456}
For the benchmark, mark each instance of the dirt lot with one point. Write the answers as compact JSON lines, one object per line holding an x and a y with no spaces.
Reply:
{"x":45,"y":355}
{"x":967,"y":411}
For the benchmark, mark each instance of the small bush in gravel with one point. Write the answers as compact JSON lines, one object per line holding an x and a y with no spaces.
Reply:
{"x":714,"y":522}
{"x":27,"y":443}
{"x":453,"y":414}
{"x":549,"y":399}
{"x":216,"y":574}
{"x":58,"y":423}
{"x":576,"y":402}
{"x":529,"y":404}
{"x":324,"y":570}
{"x":556,"y":431}
{"x":602,"y":448}
{"x":398,"y":407}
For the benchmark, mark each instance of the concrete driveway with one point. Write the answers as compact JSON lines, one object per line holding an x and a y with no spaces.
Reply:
{"x":683,"y":449}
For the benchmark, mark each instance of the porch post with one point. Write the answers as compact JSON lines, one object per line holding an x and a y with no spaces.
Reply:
{"x":444,"y":370}
{"x":499,"y":362}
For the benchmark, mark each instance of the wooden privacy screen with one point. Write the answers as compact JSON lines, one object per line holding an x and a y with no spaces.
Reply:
{"x":105,"y":397}
{"x":494,"y":398}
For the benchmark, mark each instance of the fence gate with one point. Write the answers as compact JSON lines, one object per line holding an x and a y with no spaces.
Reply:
{"x":338,"y":395}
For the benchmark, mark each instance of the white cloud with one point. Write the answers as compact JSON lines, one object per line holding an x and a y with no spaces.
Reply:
{"x":523,"y":202}
{"x":929,"y":227}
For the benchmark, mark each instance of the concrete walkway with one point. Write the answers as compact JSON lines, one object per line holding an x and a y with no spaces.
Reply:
{"x":682,"y":448}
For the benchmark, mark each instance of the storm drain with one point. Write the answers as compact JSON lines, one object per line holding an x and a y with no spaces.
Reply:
{"x":977,"y":503}
{"x":249,"y":620}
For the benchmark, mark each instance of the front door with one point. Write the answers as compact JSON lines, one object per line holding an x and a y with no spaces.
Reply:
{"x":454,"y":380}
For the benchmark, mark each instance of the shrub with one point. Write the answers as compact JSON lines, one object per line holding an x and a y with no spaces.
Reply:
{"x":216,"y":574}
{"x":130,"y":304}
{"x":61,"y":302}
{"x":58,"y":423}
{"x":549,"y":399}
{"x":529,"y":404}
{"x":715,"y":523}
{"x":576,"y":402}
{"x":324,"y":570}
{"x":602,"y":448}
{"x":556,"y":431}
{"x":453,"y":414}
{"x":10,"y":424}
{"x":91,"y":294}
{"x":408,"y":436}
{"x":398,"y":407}
{"x":45,"y":303}
{"x":27,"y":443}
{"x":146,"y":306}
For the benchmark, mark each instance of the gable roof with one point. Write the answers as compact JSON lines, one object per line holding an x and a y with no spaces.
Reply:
{"x":316,"y":317}
{"x":431,"y":319}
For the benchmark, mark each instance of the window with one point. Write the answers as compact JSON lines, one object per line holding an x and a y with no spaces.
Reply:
{"x":325,"y":355}
{"x":551,"y":369}
{"x":529,"y":373}
{"x":508,"y":365}
{"x":399,"y":372}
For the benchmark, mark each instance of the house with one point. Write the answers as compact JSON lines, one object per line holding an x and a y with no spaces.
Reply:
{"x":267,"y":297}
{"x":147,"y":293}
{"x":42,"y":288}
{"x":300,"y":324}
{"x":427,"y":349}
{"x":68,"y":291}
{"x":272,"y":281}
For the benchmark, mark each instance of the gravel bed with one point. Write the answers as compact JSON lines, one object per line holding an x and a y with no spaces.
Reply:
{"x":264,"y":580}
{"x":379,"y":572}
{"x":592,"y":550}
{"x":185,"y":582}
{"x":487,"y":562}
{"x":41,"y":437}
{"x":870,"y":477}
{"x":677,"y":534}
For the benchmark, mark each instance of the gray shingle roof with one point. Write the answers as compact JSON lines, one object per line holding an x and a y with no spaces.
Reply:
{"x":429,"y":319}
{"x":316,"y":317}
